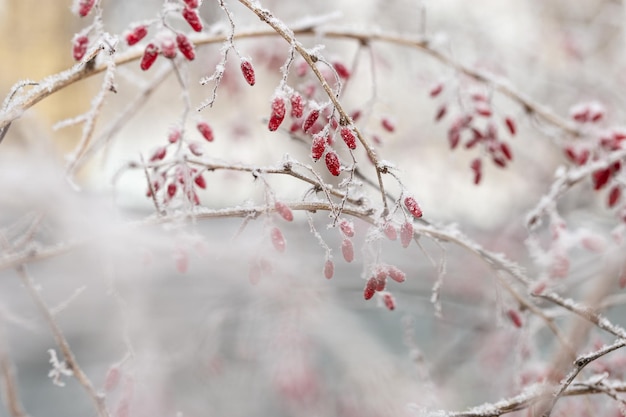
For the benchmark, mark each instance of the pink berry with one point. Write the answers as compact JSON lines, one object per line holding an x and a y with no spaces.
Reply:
{"x":396,"y":274}
{"x":297,"y":108}
{"x":390,"y":231}
{"x":413,"y":207}
{"x":168,"y":46}
{"x":85,"y":6}
{"x":112,"y":378}
{"x":278,"y":240}
{"x":248,"y":71}
{"x":174,"y":135}
{"x":341,"y":69}
{"x":510,"y":124}
{"x":406,"y":234}
{"x":284,"y":211}
{"x":347,"y":227}
{"x":192,"y":17}
{"x":149,"y":56}
{"x":614,"y":195}
{"x":389,"y":301}
{"x":278,"y":113}
{"x":196,"y":149}
{"x":159,"y":154}
{"x":436,"y":90}
{"x":317,"y":147}
{"x":348,"y":137}
{"x":185,"y":47}
{"x":329,"y":269}
{"x":79,"y":47}
{"x":347,"y":250}
{"x":370,"y":288}
{"x":136,"y":34}
{"x":332,"y":163}
{"x":206,"y":131}
{"x":310,"y":120}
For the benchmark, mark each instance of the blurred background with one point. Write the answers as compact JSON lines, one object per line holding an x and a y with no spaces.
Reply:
{"x":204,"y":341}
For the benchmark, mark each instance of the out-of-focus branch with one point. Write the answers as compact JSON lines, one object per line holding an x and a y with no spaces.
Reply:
{"x":9,"y":383}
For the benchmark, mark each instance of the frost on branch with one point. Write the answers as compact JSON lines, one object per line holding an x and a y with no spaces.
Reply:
{"x":59,"y":369}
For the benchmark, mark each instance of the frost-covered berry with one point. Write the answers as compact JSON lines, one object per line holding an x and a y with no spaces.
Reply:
{"x":390,"y":231}
{"x":396,"y":274}
{"x":185,"y":47}
{"x":79,"y":47}
{"x":192,"y":4}
{"x":406,"y":234}
{"x":284,"y":211}
{"x":206,"y":131}
{"x":347,"y":227}
{"x":342,"y":70}
{"x":84,"y":7}
{"x":347,"y":250}
{"x":413,"y":207}
{"x":200,"y":182}
{"x":370,"y":288}
{"x":167,"y":45}
{"x":192,"y":17}
{"x":112,"y":378}
{"x":159,"y":154}
{"x":348,"y":137}
{"x":278,"y":240}
{"x":332,"y":163}
{"x":310,"y":120}
{"x":389,"y":301}
{"x":317,"y":147}
{"x":149,"y":56}
{"x":278,"y":113}
{"x":248,"y":71}
{"x":297,"y":108}
{"x":136,"y":34}
{"x":171,"y":189}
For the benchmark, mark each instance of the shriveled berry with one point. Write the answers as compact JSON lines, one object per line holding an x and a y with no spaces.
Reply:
{"x":284,"y":211}
{"x":185,"y":47}
{"x":413,"y":207}
{"x":278,"y":240}
{"x":248,"y":71}
{"x":347,"y":250}
{"x":278,"y":113}
{"x":406,"y":234}
{"x":332,"y":163}
{"x":348,"y":137}
{"x":149,"y":56}
{"x":192,"y":17}
{"x":329,"y":269}
{"x":79,"y":47}
{"x":297,"y":108}
{"x":206,"y":131}
{"x":317,"y":147}
{"x":136,"y":34}
{"x":310,"y":120}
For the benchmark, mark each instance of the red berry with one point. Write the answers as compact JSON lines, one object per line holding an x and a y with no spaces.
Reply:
{"x":341,"y":69}
{"x":85,"y":6}
{"x":297,"y":109}
{"x":388,"y":125}
{"x":329,"y":269}
{"x":149,"y":56}
{"x":317,"y":147}
{"x":441,"y":112}
{"x":390,"y":231}
{"x":506,"y":151}
{"x":310,"y":120}
{"x":332,"y":163}
{"x":406,"y":234}
{"x":192,"y":17}
{"x":396,"y":274}
{"x":454,"y":137}
{"x":159,"y":154}
{"x":206,"y":131}
{"x":168,"y":46}
{"x":614,"y":195}
{"x":600,"y":178}
{"x":192,"y":4}
{"x":510,"y":124}
{"x":347,"y":250}
{"x":413,"y":207}
{"x":80,"y":47}
{"x":171,"y":189}
{"x":348,"y":137}
{"x":347,"y":227}
{"x":185,"y":47}
{"x":248,"y":71}
{"x":389,"y":301}
{"x":370,"y":288}
{"x":278,"y":113}
{"x":477,"y":168}
{"x":174,"y":135}
{"x":284,"y":211}
{"x":515,"y":317}
{"x":436,"y":90}
{"x":200,"y":182}
{"x":278,"y":240}
{"x":136,"y":34}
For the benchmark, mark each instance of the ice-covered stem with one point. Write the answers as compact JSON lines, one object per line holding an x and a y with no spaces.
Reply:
{"x":97,"y":399}
{"x":344,"y":119}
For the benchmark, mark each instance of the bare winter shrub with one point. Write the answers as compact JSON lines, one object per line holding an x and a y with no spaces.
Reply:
{"x":336,"y":208}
